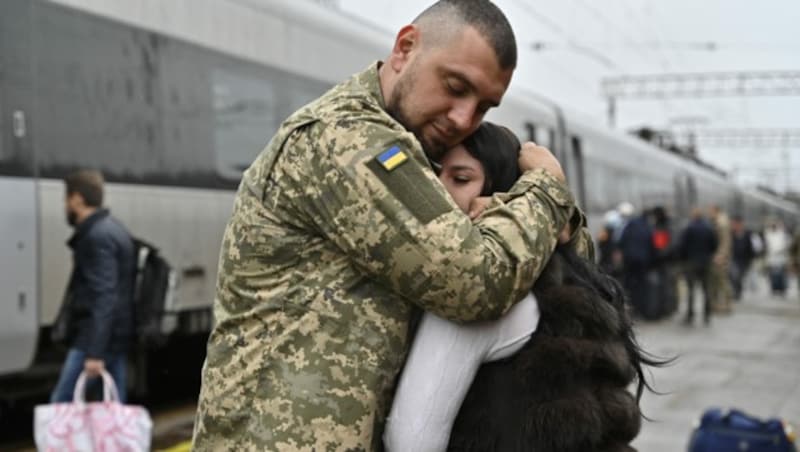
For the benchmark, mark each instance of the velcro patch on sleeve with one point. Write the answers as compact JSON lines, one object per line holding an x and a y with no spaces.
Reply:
{"x":409,"y":184}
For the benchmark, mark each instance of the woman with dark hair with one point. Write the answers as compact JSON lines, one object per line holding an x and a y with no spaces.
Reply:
{"x":559,"y":387}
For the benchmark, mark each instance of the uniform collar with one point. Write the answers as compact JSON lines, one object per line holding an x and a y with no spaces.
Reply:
{"x":371,"y":81}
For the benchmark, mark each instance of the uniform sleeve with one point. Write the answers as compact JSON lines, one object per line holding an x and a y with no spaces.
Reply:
{"x":398,"y":224}
{"x":581,"y":240}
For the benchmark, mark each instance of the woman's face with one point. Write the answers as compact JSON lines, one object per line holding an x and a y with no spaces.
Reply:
{"x":462,"y":176}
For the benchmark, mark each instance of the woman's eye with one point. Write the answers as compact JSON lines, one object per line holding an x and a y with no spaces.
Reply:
{"x":461,"y":180}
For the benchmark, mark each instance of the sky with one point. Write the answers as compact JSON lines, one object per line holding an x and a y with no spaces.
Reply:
{"x":583,"y":41}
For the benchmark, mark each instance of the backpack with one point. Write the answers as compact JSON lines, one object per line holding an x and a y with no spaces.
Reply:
{"x":153,"y":293}
{"x":733,"y":430}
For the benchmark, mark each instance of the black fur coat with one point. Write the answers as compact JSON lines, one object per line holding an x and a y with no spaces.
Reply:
{"x":566,"y":390}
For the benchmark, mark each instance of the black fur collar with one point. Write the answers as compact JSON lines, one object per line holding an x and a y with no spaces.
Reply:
{"x":566,"y":390}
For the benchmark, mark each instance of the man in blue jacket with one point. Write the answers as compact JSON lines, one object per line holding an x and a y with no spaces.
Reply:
{"x":697,"y":246}
{"x":100,"y":298}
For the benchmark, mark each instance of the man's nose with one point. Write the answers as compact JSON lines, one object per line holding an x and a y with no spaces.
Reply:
{"x":463,"y":115}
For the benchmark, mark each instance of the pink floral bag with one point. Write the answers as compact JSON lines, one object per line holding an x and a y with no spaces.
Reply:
{"x":106,"y":426}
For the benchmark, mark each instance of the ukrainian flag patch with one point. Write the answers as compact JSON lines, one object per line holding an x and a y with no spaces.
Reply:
{"x":392,"y":158}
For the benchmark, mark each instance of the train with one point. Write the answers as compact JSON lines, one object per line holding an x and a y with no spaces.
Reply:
{"x":172,"y":100}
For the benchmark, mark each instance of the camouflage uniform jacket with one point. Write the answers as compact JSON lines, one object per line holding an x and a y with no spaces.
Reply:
{"x":327,"y":247}
{"x":722,"y":227}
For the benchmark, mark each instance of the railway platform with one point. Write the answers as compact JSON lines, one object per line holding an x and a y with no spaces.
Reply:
{"x":748,"y":359}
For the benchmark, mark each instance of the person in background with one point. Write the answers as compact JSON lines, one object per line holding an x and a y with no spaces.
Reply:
{"x":743,"y":254}
{"x":696,"y":249}
{"x":100,"y":291}
{"x":720,"y":283}
{"x":663,"y":274}
{"x":777,"y":243}
{"x":635,"y":245}
{"x":606,"y":246}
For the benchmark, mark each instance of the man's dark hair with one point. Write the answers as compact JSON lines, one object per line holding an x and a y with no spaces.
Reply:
{"x":446,"y":16}
{"x":88,"y":184}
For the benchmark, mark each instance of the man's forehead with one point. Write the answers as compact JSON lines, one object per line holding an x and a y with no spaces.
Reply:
{"x":468,"y":55}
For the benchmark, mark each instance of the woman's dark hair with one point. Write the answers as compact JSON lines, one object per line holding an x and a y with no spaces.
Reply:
{"x":497,"y":148}
{"x":566,"y":389}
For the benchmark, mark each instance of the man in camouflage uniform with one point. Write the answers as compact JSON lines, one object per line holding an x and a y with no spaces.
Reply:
{"x":719,"y":288}
{"x":341,"y":224}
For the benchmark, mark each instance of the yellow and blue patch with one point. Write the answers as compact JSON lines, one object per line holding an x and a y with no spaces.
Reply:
{"x":392,"y":158}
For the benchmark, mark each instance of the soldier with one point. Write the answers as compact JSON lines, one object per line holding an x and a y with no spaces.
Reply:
{"x":341,"y":224}
{"x":719,"y":288}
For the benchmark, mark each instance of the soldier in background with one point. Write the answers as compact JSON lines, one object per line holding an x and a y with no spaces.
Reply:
{"x":719,"y":284}
{"x":341,"y":224}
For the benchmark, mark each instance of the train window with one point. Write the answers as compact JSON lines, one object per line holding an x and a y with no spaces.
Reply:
{"x":3,"y":133}
{"x":16,"y":156}
{"x":249,"y":106}
{"x":541,"y":135}
{"x":97,"y":97}
{"x":301,"y":92}
{"x":245,"y":117}
{"x":545,"y":136}
{"x":530,"y":129}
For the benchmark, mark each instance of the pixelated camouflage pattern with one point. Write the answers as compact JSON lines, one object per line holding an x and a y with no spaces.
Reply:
{"x":320,"y":263}
{"x":720,"y":289}
{"x":722,"y":227}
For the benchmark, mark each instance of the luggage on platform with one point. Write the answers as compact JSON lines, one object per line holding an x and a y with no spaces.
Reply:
{"x":81,"y":426}
{"x":733,"y":431}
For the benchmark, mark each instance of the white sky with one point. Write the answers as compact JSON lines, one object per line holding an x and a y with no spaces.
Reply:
{"x":646,"y":37}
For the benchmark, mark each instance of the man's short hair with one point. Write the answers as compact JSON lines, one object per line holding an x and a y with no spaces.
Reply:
{"x":88,"y":184}
{"x":446,"y":16}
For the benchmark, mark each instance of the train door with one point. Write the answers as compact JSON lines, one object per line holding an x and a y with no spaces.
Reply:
{"x":19,"y":324}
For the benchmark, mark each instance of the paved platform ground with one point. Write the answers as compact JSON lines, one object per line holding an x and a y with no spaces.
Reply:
{"x":749,"y":359}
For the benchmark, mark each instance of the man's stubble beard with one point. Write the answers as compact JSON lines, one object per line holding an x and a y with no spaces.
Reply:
{"x":397,"y":107}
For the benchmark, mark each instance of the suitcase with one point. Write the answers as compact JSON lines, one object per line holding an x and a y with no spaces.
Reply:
{"x":733,"y":431}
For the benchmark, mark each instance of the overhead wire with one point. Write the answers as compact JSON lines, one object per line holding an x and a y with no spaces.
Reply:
{"x":554,"y":26}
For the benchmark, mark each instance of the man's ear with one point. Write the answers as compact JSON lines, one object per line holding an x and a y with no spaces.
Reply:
{"x":407,"y":41}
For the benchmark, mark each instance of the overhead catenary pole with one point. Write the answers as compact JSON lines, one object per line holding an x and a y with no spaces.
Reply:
{"x":687,"y":85}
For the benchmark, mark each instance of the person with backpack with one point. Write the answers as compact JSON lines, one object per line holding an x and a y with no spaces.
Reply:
{"x":97,"y":314}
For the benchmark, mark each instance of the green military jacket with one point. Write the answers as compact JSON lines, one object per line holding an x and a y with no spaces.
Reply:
{"x":338,"y":227}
